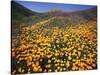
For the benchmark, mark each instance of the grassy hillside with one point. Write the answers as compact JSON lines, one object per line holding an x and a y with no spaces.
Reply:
{"x":54,"y":41}
{"x":19,"y":11}
{"x":20,"y":14}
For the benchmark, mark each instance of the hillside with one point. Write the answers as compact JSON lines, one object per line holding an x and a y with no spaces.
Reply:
{"x":19,"y":11}
{"x":76,"y":17}
{"x":20,"y":14}
{"x":54,"y":41}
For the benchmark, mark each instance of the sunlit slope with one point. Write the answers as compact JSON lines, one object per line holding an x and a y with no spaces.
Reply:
{"x":23,"y":17}
{"x":55,"y":42}
{"x":48,"y":48}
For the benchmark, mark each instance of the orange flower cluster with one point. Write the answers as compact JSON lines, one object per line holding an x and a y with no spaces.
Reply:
{"x":40,"y":48}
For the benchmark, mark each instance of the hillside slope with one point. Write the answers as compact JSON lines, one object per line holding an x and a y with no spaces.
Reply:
{"x":54,"y":41}
{"x":19,"y":11}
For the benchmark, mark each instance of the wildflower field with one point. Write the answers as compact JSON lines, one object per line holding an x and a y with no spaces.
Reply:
{"x":51,"y":46}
